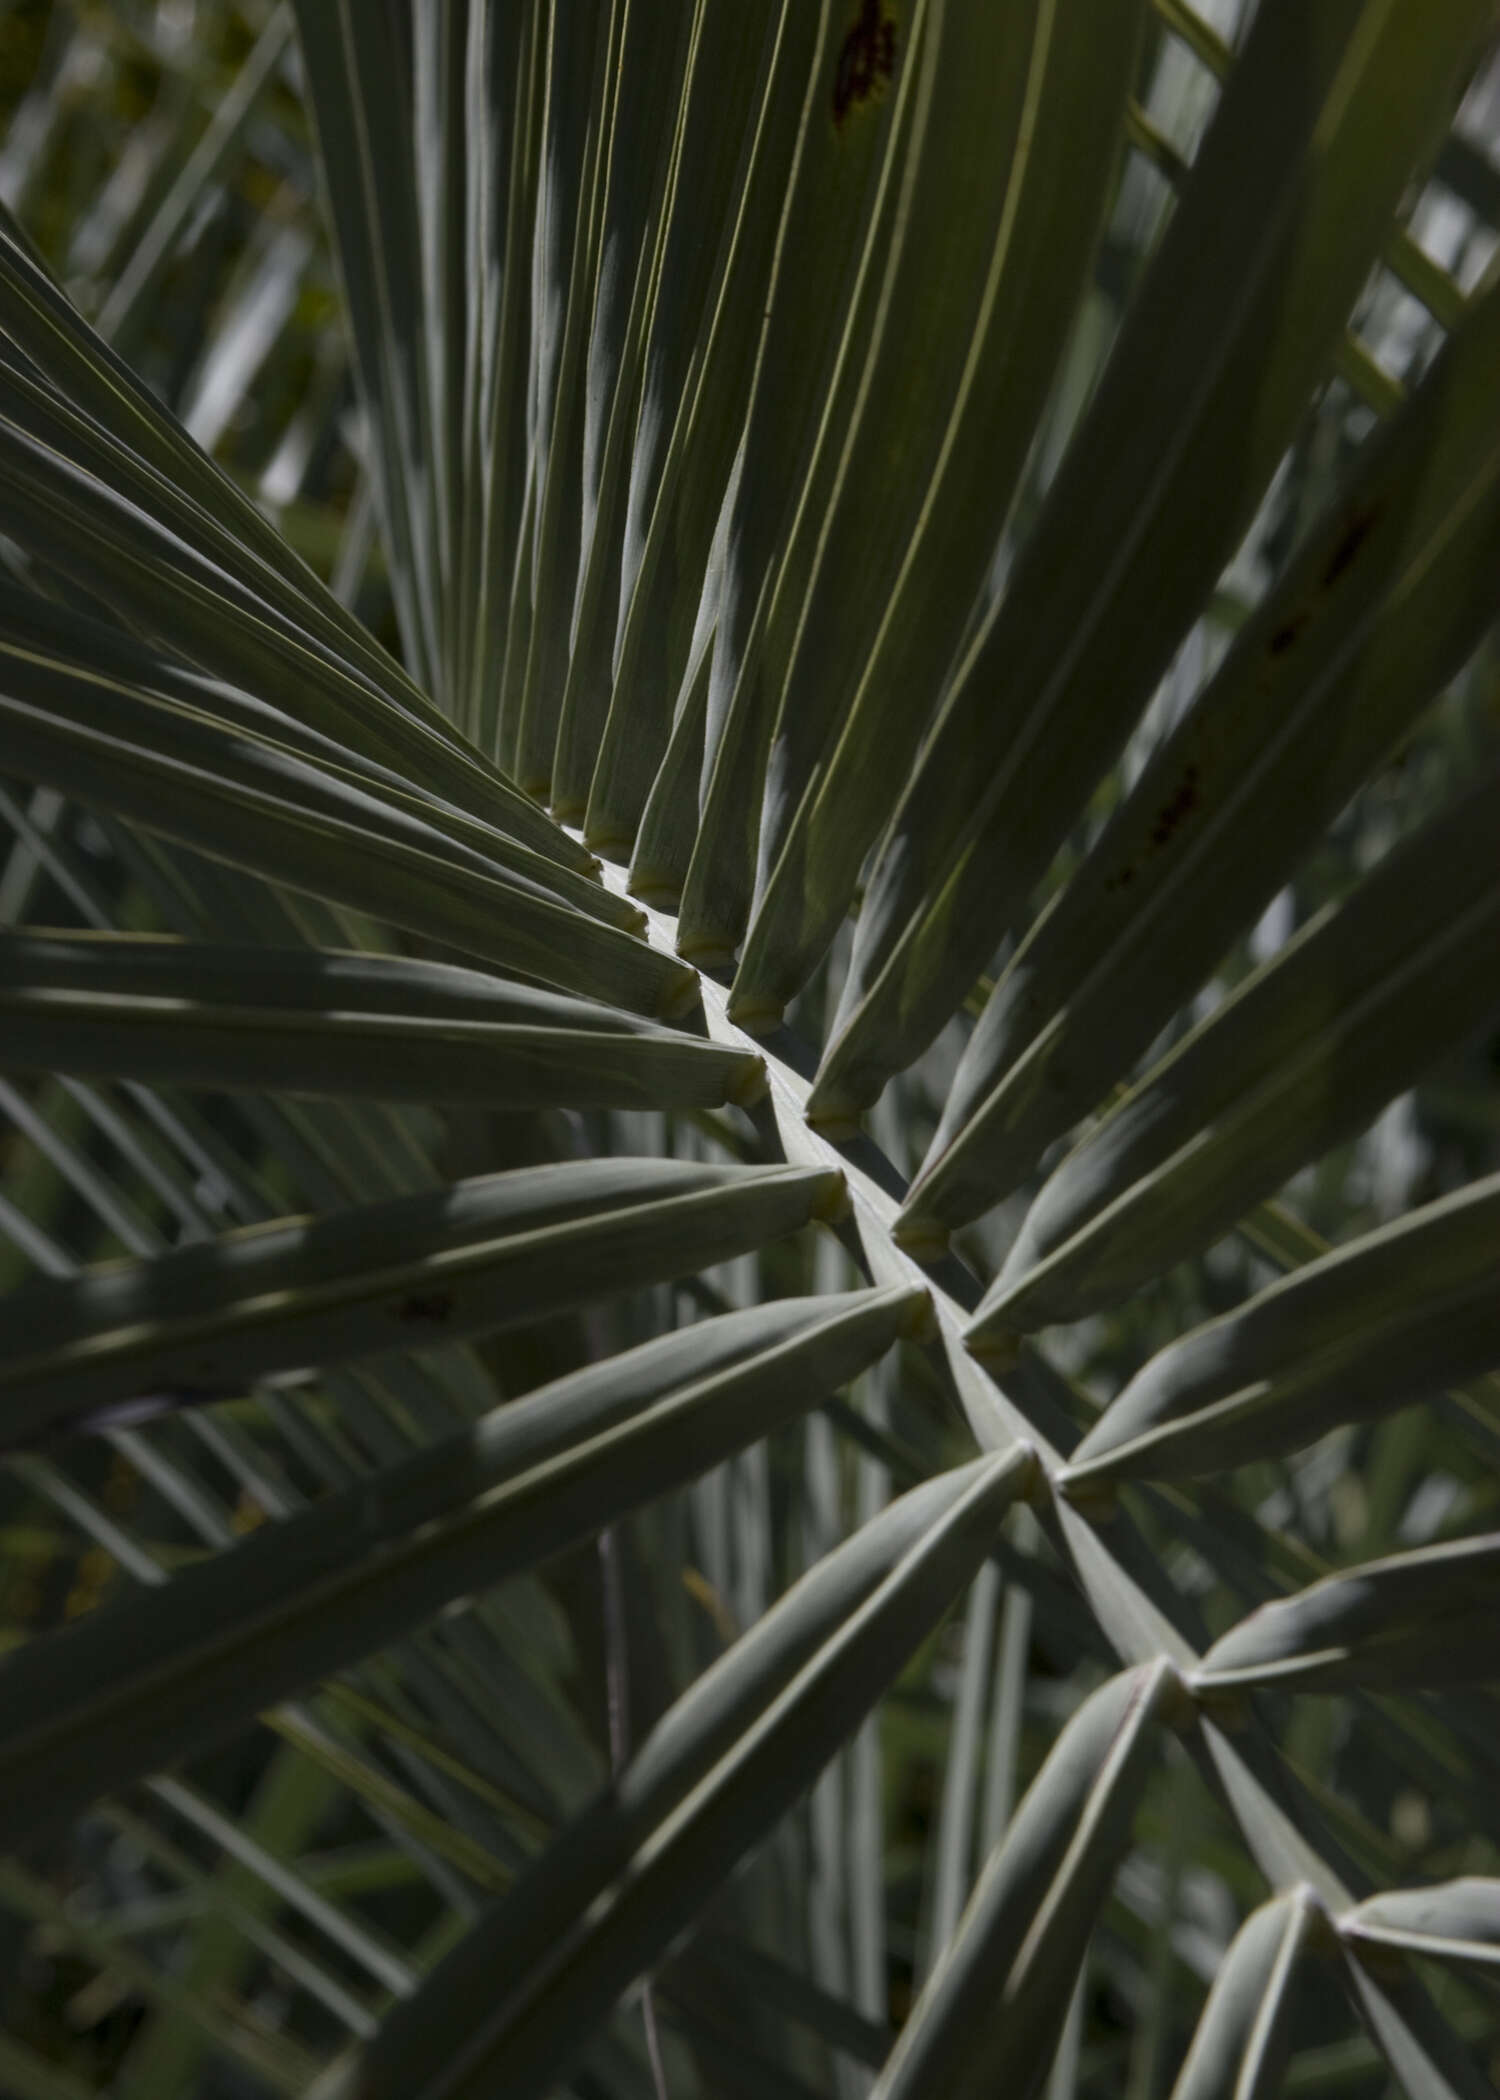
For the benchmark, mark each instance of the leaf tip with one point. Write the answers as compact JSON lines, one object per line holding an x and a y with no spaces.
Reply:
{"x":750,"y":1084}
{"x":755,"y":1012}
{"x":832,"y":1116}
{"x":705,"y":947}
{"x":1091,"y":1492}
{"x":831,"y":1205}
{"x":683,"y":995}
{"x":921,"y":1235}
{"x":993,"y":1345}
{"x":920,"y":1323}
{"x":657,"y":889}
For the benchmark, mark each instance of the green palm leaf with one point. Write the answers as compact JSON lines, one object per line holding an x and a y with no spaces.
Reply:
{"x":249,"y":1628}
{"x":1255,"y":275}
{"x":1372,"y":1326}
{"x":478,"y":1255}
{"x":1302,"y":1054}
{"x":1341,"y":655}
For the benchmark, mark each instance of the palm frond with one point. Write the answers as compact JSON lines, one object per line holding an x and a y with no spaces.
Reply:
{"x":711,"y":572}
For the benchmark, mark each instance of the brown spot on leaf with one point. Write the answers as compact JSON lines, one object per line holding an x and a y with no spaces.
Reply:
{"x":1177,"y":808}
{"x":866,"y":57}
{"x":1288,"y":632}
{"x":428,"y":1309}
{"x":1351,"y":539}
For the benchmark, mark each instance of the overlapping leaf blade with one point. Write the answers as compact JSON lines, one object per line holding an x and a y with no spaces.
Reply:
{"x":1388,"y":594}
{"x":582,"y":61}
{"x":999,"y":1996}
{"x":58,"y":342}
{"x":359,"y":73}
{"x":819,"y":297}
{"x":310,"y":1021}
{"x":75,"y":494}
{"x":1240,"y":2046}
{"x":475,"y":1256}
{"x":680,"y":1752}
{"x":1389,"y":1319}
{"x":1421,"y":2049}
{"x":1412,"y":1622}
{"x":1454,"y":1921}
{"x":457,"y":807}
{"x":928,"y":442}
{"x":502,"y":141}
{"x":790,"y":1725}
{"x":260,"y":806}
{"x":1302,"y":1054}
{"x":644,"y":151}
{"x":137,"y":1687}
{"x":1322,"y":123}
{"x":745,"y":90}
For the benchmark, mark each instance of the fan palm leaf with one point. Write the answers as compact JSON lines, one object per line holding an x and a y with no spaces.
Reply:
{"x":734,"y":634}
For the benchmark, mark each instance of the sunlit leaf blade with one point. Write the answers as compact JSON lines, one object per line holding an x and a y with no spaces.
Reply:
{"x":998,"y":1998}
{"x":50,"y":333}
{"x":1389,"y":1319}
{"x":1240,"y":2045}
{"x":668,"y":827}
{"x":1389,"y":593}
{"x":680,"y":1752}
{"x":155,"y":579}
{"x":757,"y":1771}
{"x":1303,"y":1053}
{"x":1421,"y":2049}
{"x":1416,"y":1620}
{"x":502,"y":141}
{"x":1451,"y":1921}
{"x":442,"y":50}
{"x":643,"y":153}
{"x":142,"y":481}
{"x":1326,"y":115}
{"x":582,"y":62}
{"x":459,"y":808}
{"x":310,"y":1021}
{"x":746,"y":87}
{"x":475,"y":1256}
{"x":333,"y":704}
{"x":929,"y":440}
{"x":358,"y":69}
{"x":131,"y":1689}
{"x":263,"y":808}
{"x":819,"y":300}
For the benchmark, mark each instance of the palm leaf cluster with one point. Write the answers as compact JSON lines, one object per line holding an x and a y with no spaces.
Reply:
{"x":748,"y":963}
